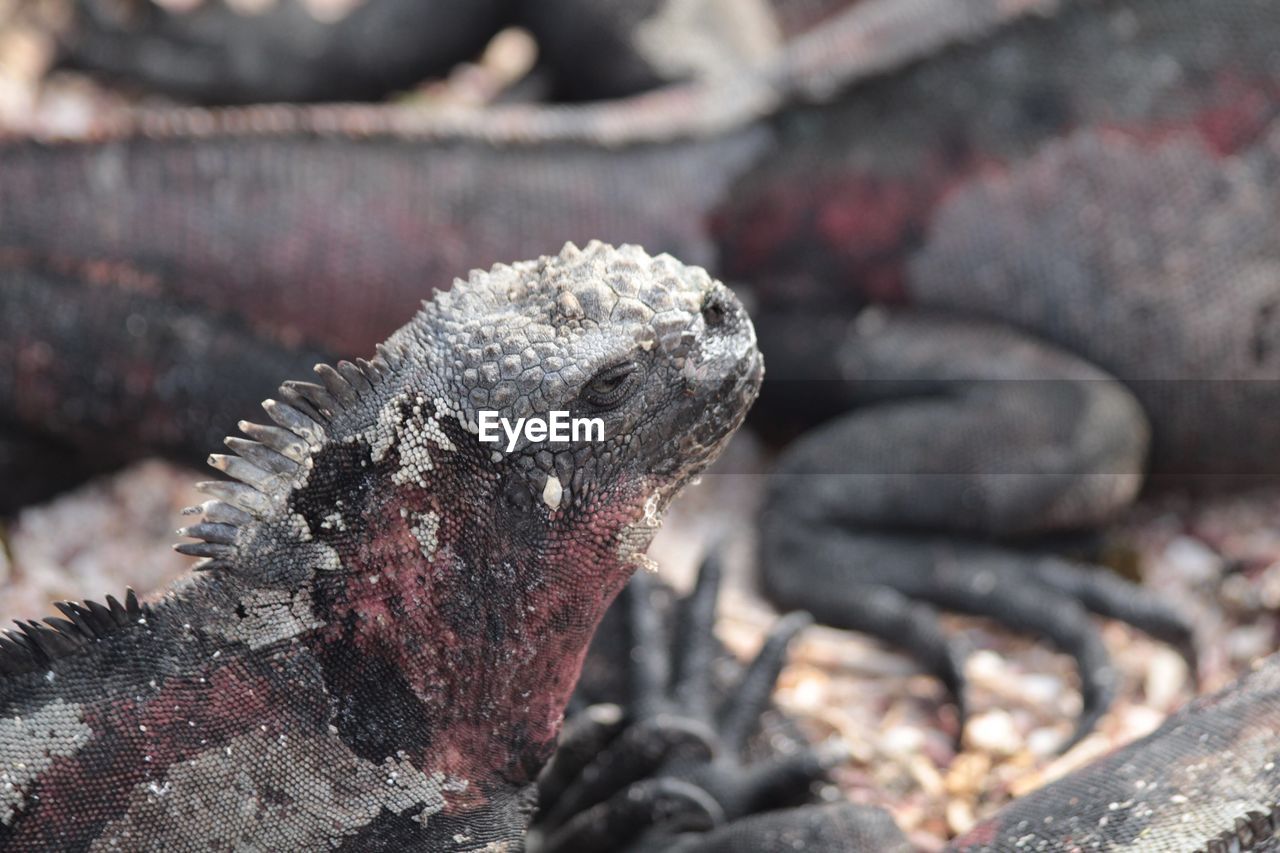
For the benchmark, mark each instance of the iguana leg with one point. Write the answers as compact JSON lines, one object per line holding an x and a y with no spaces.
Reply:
{"x":962,"y":436}
{"x":216,"y":54}
{"x":675,"y":764}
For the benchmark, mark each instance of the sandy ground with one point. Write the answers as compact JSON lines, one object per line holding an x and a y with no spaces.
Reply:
{"x":1218,"y":558}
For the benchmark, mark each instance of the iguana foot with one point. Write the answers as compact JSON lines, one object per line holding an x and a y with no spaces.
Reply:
{"x":889,"y":586}
{"x":676,"y":770}
{"x":959,"y":436}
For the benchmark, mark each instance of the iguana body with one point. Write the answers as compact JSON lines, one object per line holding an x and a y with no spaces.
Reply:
{"x":392,"y":614}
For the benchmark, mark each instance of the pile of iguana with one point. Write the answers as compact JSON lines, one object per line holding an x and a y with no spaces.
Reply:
{"x":1076,"y":193}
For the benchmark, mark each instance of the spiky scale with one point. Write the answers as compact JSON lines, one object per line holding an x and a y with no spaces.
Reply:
{"x":265,"y":458}
{"x":212,"y":550}
{"x":100,"y":617}
{"x":371,"y":372}
{"x":311,"y":398}
{"x":337,"y":387}
{"x":50,"y":643}
{"x":223,"y":534}
{"x":74,"y":613}
{"x":282,"y":441}
{"x":119,"y":615}
{"x":243,"y":470}
{"x":295,"y":420}
{"x":221,"y":512}
{"x":64,"y":627}
{"x":239,"y":495}
{"x":390,"y":356}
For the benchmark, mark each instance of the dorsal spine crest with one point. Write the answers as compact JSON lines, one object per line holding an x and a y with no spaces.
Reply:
{"x":267,"y":465}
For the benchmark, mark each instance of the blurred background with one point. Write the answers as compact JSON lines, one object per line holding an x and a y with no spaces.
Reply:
{"x":699,"y":94}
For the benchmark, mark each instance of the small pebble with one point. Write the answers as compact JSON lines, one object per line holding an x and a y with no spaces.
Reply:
{"x":1194,"y":561}
{"x":994,"y":732}
{"x":1166,"y":675}
{"x":960,"y":817}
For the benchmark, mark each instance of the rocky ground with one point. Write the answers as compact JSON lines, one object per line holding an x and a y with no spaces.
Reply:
{"x":1219,"y":558}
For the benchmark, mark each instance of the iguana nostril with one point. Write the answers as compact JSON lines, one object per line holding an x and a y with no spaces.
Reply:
{"x":713,"y":312}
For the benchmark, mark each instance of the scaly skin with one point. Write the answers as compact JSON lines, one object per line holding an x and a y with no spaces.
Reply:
{"x":391,"y":614}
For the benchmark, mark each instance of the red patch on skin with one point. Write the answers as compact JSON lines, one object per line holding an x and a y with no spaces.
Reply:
{"x":492,"y":661}
{"x":871,"y":225}
{"x":144,"y":736}
{"x":836,"y":235}
{"x":831,"y":238}
{"x":1241,"y":120}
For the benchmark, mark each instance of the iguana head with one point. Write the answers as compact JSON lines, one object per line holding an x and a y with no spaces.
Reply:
{"x":375,"y":525}
{"x":654,"y":360}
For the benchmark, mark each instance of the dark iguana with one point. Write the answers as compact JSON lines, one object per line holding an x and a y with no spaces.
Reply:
{"x":390,"y":614}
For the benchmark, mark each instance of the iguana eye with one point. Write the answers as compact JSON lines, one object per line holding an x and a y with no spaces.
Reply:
{"x":607,"y":388}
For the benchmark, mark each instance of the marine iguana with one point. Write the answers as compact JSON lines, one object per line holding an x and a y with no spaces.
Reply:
{"x":965,"y":158}
{"x":389,"y":615}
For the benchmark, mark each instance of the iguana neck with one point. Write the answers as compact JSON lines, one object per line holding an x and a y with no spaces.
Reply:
{"x":487,"y":635}
{"x":430,"y":578}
